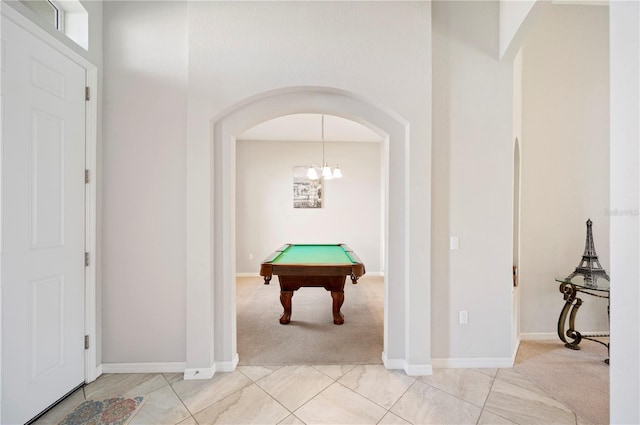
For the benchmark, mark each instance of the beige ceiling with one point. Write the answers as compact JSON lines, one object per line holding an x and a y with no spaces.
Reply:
{"x":308,"y":127}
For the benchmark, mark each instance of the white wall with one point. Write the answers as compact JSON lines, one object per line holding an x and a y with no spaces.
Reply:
{"x":380,"y":51}
{"x":472,"y":173}
{"x":266,"y":219}
{"x":625,"y":202}
{"x":516,"y":19}
{"x":143,"y":157}
{"x":565,"y":160}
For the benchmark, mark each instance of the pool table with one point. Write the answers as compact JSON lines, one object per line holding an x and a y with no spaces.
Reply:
{"x":305,"y":265}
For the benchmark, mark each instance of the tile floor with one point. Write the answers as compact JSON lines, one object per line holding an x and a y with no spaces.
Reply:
{"x":363,"y":394}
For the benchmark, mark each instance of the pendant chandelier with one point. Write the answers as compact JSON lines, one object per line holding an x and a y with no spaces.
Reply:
{"x":327,"y":172}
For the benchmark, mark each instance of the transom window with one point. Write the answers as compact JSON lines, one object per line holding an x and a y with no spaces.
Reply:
{"x":49,"y":10}
{"x":67,"y":16}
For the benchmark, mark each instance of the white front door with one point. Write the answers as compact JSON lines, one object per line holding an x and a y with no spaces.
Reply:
{"x":42,"y":224}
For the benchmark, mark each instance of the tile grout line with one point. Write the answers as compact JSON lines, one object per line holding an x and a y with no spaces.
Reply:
{"x":311,"y":398}
{"x":276,"y":400}
{"x":292,"y":412}
{"x":399,"y":398}
{"x":192,"y":414}
{"x":366,"y":398}
{"x":181,"y":401}
{"x":493,"y":381}
{"x":269,"y":395}
{"x":335,"y":381}
{"x":457,"y":396}
{"x":544,"y":393}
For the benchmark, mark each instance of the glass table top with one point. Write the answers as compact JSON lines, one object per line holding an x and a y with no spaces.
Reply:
{"x":603,"y":285}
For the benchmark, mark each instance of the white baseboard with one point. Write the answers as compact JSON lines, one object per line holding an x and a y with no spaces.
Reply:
{"x":177,"y":367}
{"x":228,"y":366}
{"x":479,"y":362}
{"x":472,"y":363}
{"x":410,"y":370}
{"x":199,"y":373}
{"x":538,"y":336}
{"x":96,"y":374}
{"x":553,"y":336}
{"x":393,"y":363}
{"x":418,"y":370}
{"x":515,"y":351}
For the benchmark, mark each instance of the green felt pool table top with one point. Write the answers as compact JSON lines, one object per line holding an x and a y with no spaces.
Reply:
{"x":314,"y":254}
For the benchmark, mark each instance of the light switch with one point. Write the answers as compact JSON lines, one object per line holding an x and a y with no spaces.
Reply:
{"x":454,"y":243}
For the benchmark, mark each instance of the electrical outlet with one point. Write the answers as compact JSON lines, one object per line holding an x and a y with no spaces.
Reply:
{"x":250,"y":256}
{"x":454,"y":243}
{"x":464,"y":317}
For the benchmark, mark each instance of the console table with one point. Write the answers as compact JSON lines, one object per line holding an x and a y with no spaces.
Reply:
{"x":572,"y":303}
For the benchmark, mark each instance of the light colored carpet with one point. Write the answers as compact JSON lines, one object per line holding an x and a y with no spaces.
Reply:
{"x":579,"y":379}
{"x":311,"y":337}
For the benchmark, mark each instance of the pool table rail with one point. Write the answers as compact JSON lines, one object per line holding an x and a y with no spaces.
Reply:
{"x":293,"y":276}
{"x":355,"y":270}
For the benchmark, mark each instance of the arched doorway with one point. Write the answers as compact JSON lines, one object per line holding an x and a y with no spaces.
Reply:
{"x":211,"y":326}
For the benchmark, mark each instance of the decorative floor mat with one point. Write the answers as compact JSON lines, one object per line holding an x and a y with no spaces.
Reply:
{"x":112,"y":411}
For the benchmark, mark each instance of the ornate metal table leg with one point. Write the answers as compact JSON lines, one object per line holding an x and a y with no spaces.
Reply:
{"x":285,"y":300}
{"x":573,"y":303}
{"x":609,"y":319}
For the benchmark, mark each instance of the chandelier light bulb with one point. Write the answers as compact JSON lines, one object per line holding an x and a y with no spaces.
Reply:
{"x":326,"y":172}
{"x":312,"y":174}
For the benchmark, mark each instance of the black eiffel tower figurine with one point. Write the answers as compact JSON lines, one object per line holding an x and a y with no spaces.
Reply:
{"x":589,"y":267}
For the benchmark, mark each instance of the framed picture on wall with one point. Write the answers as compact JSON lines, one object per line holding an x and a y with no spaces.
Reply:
{"x":307,"y":193}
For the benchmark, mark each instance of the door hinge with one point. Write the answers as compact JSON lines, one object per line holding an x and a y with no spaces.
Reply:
{"x":86,"y":259}
{"x":87,"y":93}
{"x":86,"y":342}
{"x":86,"y":176}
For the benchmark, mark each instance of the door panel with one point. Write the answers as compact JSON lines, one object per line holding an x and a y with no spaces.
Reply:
{"x":47,"y":177}
{"x":42,"y":224}
{"x":47,"y":330}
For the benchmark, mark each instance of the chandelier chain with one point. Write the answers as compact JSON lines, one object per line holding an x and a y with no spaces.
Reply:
{"x":322,"y":137}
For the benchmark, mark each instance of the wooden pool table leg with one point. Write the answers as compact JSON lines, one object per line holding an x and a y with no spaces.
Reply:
{"x":338,"y":299}
{"x":285,"y":300}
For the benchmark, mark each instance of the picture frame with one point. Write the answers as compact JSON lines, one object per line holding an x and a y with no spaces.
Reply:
{"x":307,"y":193}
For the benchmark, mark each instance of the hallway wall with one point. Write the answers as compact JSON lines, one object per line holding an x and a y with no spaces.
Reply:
{"x":143,"y":157}
{"x":472,"y":195}
{"x":565,"y":160}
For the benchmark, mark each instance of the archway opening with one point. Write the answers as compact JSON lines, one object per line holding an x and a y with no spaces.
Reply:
{"x":273,"y":207}
{"x":211,"y":240}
